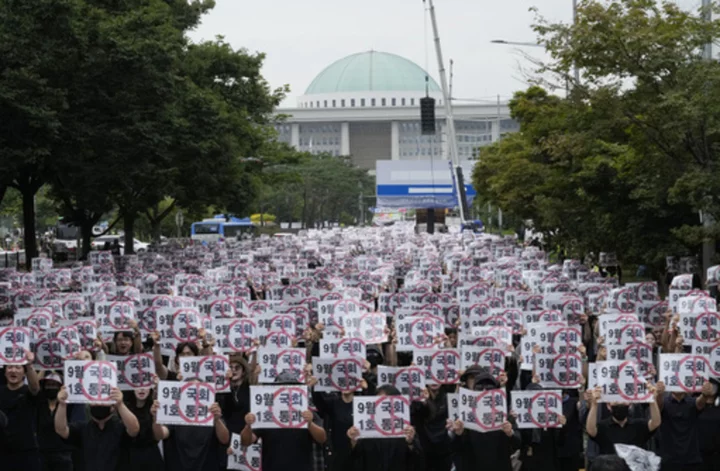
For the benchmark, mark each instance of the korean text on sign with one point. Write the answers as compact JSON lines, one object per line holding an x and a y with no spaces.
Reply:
{"x":381,"y":416}
{"x":278,"y":407}
{"x":134,"y":371}
{"x":683,"y":372}
{"x":244,"y":458}
{"x":208,"y":369}
{"x":90,"y":382}
{"x":537,"y":409}
{"x":186,"y":403}
{"x":483,"y":411}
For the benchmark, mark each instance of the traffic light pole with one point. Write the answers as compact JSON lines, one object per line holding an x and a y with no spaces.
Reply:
{"x":451,"y":136}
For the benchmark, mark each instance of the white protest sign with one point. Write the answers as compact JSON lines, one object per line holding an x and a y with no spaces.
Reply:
{"x":559,"y":371}
{"x":235,"y":335}
{"x":410,"y":380}
{"x":274,"y":361}
{"x":453,"y":405}
{"x":369,"y":326}
{"x":640,"y":352}
{"x":621,"y":329}
{"x":441,"y":366}
{"x":176,"y":326}
{"x":622,"y":381}
{"x":279,"y":407}
{"x":14,"y":345}
{"x":483,"y":411}
{"x":244,"y":458}
{"x":683,"y":372}
{"x":487,"y":357}
{"x":51,"y":352}
{"x":276,"y":330}
{"x":134,"y":371}
{"x":345,"y":347}
{"x":90,"y":382}
{"x":185,"y":403}
{"x":711,"y":350}
{"x":419,"y":332}
{"x":537,"y":408}
{"x":381,"y":416}
{"x":114,"y":316}
{"x":338,"y":374}
{"x":212,"y":369}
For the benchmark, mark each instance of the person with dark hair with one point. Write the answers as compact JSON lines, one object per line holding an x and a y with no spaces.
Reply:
{"x":100,"y":438}
{"x":286,"y":449}
{"x":539,"y":449}
{"x":56,"y":454}
{"x":236,"y":404}
{"x":430,"y":417}
{"x":619,"y":428}
{"x":125,"y":343}
{"x":609,"y":463}
{"x":19,"y":403}
{"x":183,"y":349}
{"x":141,"y":453}
{"x":475,"y":450}
{"x":385,"y":454}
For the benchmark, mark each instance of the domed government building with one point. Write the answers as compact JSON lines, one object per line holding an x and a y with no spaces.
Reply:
{"x":367,"y":105}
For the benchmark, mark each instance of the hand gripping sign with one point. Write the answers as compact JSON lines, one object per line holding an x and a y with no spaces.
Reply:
{"x":345,"y":347}
{"x":185,"y":403}
{"x":488,"y":357}
{"x":14,"y":345}
{"x":244,"y":458}
{"x":441,"y":366}
{"x":90,"y":382}
{"x":622,"y":381}
{"x":483,"y":411}
{"x":559,"y":371}
{"x":211,"y":369}
{"x":114,"y":316}
{"x":235,"y":335}
{"x":338,"y":374}
{"x":409,"y":380}
{"x":274,"y":361}
{"x":418,"y":332}
{"x":538,"y":408}
{"x":134,"y":371}
{"x":279,"y":407}
{"x":682,"y":372}
{"x":381,"y":416}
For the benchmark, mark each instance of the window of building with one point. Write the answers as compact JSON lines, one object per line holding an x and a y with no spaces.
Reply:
{"x":412,"y":101}
{"x":325,"y":104}
{"x":372,"y":102}
{"x":362,"y":101}
{"x":333,"y":103}
{"x":393,"y":102}
{"x":352,"y":102}
{"x":342,"y":103}
{"x":402,"y":102}
{"x":382,"y":101}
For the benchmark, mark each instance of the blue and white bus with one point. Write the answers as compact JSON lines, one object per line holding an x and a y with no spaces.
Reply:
{"x":220,"y":228}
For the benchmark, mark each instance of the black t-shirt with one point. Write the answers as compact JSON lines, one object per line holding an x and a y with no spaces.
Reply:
{"x":235,"y":405}
{"x":50,"y":441}
{"x":287,"y":449}
{"x":609,"y":433}
{"x":192,"y":448}
{"x":20,"y":407}
{"x":338,"y":418}
{"x":709,"y":429}
{"x":100,"y":448}
{"x":678,"y":431}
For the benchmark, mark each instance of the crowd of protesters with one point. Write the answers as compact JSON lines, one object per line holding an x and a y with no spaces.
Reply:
{"x":39,"y":430}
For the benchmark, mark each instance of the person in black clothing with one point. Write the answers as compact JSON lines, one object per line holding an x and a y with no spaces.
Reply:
{"x":101,"y":437}
{"x":619,"y":428}
{"x":141,"y":452}
{"x":609,"y":463}
{"x":56,"y":454}
{"x":430,"y":417}
{"x":19,"y":402}
{"x":570,"y":451}
{"x":680,"y":444}
{"x":183,"y":349}
{"x":236,"y":404}
{"x":385,"y":454}
{"x":290,"y":448}
{"x":709,"y":430}
{"x":475,"y":450}
{"x":540,"y":447}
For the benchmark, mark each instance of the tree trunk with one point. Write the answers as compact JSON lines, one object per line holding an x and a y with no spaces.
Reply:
{"x":129,"y":223}
{"x":3,"y":189}
{"x":86,"y":230}
{"x":155,"y":230}
{"x":28,"y":205}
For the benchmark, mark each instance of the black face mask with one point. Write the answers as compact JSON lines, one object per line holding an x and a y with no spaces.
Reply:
{"x":100,"y":412}
{"x":620,"y":412}
{"x":51,"y":393}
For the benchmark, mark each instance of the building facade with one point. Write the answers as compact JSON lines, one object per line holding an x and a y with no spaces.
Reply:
{"x":367,"y":105}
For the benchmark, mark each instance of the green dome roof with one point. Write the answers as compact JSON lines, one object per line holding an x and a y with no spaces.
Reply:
{"x":371,"y":71}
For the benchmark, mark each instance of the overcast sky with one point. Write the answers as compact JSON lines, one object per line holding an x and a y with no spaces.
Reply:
{"x":301,"y":38}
